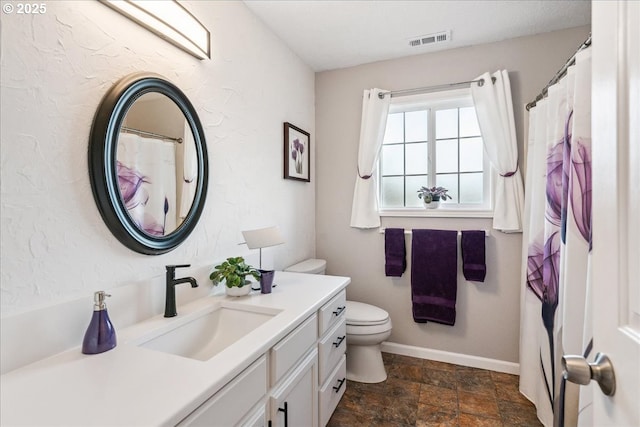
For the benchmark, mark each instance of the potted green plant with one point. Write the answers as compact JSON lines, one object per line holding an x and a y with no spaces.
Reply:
{"x":432,"y":196}
{"x":234,"y":272}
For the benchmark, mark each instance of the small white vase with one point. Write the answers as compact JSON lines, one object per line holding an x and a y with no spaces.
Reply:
{"x":432,"y":205}
{"x":238,"y":292}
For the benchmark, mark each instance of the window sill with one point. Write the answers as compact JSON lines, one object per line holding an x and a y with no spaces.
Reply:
{"x":436,"y":213}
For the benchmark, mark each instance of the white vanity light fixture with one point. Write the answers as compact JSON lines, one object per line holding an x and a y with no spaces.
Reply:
{"x":169,"y":20}
{"x":262,"y":238}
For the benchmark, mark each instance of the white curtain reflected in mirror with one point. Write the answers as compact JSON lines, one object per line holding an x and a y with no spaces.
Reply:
{"x":156,"y":165}
{"x":188,"y":183}
{"x":147,"y":180}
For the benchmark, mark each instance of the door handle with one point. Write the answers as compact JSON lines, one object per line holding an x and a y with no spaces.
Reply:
{"x":286,"y":413}
{"x":338,"y":341}
{"x":339,"y":310}
{"x":577,"y":370}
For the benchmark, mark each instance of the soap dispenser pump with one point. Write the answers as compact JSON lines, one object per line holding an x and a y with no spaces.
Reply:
{"x":100,"y":335}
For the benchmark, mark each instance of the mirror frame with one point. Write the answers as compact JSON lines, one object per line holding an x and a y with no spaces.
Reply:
{"x":103,"y":146}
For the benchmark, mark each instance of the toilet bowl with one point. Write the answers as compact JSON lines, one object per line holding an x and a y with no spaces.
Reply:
{"x":367,"y":327}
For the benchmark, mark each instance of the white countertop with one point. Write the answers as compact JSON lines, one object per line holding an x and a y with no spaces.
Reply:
{"x":135,"y":386}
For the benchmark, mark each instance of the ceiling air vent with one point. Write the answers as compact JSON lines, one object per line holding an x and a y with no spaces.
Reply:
{"x":441,"y":37}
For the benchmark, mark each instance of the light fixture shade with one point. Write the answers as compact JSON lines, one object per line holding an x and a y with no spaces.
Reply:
{"x":263,"y":237}
{"x":169,"y":20}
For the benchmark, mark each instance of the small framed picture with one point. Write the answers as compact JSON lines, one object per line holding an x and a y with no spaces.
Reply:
{"x":297,"y":153}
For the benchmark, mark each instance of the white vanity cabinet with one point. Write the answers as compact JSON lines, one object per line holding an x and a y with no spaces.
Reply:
{"x":294,"y":402}
{"x":298,"y":382}
{"x":228,"y":406}
{"x":294,"y":377}
{"x":308,"y":394}
{"x":257,"y":417}
{"x":332,"y":346}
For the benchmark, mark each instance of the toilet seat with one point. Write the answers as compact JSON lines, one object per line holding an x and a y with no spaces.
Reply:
{"x":353,"y":330}
{"x":361,"y":314}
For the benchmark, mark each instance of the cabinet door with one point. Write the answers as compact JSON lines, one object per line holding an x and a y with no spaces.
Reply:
{"x":257,"y":417}
{"x":294,"y":402}
{"x":229,"y":405}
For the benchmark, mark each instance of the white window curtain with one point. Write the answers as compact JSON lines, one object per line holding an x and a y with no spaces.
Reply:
{"x":364,"y":211}
{"x":494,"y":109}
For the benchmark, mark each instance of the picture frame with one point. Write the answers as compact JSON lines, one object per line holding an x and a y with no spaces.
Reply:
{"x":297,"y":153}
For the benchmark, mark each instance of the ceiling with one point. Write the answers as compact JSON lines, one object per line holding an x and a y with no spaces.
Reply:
{"x":330,"y":34}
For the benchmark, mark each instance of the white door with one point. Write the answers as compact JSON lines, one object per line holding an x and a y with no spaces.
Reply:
{"x":294,"y":403}
{"x":616,"y":206}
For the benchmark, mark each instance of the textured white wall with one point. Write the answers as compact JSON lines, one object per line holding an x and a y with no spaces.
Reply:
{"x":488,"y":315}
{"x":55,"y":69}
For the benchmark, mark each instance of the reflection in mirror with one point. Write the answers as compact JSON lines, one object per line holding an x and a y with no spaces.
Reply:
{"x":156,"y":164}
{"x":148,"y":163}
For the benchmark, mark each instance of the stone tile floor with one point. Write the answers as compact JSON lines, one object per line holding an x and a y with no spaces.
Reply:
{"x":425,"y":393}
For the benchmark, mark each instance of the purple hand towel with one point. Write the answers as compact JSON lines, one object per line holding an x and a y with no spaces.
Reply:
{"x":434,"y":273}
{"x":395,"y":253}
{"x":473,"y":255}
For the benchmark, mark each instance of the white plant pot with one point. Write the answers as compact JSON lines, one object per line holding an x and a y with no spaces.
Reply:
{"x":238,"y":292}
{"x":432,"y":204}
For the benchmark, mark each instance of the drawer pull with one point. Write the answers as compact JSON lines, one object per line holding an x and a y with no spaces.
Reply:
{"x":339,"y":386}
{"x":339,"y":310}
{"x":339,"y":341}
{"x":286,"y":413}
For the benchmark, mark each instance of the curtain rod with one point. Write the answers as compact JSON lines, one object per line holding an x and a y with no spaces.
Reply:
{"x":151,"y":134}
{"x":560,"y":74}
{"x":428,"y":89}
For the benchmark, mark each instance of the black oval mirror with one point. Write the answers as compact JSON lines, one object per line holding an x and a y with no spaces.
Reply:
{"x":148,"y":163}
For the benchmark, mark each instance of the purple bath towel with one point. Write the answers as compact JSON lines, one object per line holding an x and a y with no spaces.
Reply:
{"x":434,"y":271}
{"x":395,"y":253}
{"x":473,"y":255}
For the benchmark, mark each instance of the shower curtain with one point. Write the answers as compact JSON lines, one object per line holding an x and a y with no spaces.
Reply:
{"x":557,"y":245}
{"x":146,"y":170}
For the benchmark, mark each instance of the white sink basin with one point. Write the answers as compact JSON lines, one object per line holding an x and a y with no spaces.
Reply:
{"x":205,"y":334}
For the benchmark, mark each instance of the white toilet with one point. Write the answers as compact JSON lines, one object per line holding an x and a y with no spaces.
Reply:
{"x":367,"y":327}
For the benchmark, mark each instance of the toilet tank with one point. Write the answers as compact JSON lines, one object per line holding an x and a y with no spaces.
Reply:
{"x":310,"y":266}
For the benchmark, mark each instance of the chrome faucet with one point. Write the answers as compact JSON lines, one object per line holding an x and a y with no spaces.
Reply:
{"x":170,"y":301}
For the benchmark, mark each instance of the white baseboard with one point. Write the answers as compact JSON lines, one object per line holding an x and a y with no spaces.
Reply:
{"x":455,"y":358}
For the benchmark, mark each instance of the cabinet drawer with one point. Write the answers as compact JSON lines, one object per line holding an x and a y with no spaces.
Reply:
{"x":332,"y":312}
{"x":331,"y":348}
{"x":332,"y":391}
{"x":292,"y":347}
{"x":229,"y":405}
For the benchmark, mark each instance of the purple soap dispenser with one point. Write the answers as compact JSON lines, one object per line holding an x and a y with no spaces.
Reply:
{"x":100,"y":335}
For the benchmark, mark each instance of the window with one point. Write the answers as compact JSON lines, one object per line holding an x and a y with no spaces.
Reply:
{"x":433,"y":140}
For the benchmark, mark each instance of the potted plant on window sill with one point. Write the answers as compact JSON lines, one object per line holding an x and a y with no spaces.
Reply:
{"x":431,"y":196}
{"x":234,"y":272}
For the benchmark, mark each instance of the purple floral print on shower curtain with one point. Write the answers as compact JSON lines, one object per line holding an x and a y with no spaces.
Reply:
{"x":543,"y":275}
{"x":134,"y":195}
{"x":576,"y":179}
{"x":581,"y":185}
{"x":568,"y":181}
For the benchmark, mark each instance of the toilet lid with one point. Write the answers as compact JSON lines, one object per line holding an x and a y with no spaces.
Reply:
{"x":312,"y":266}
{"x":361,"y":314}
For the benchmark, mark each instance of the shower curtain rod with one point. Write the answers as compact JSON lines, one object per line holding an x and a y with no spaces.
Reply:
{"x":428,"y":89}
{"x":151,"y":134}
{"x":560,"y":74}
